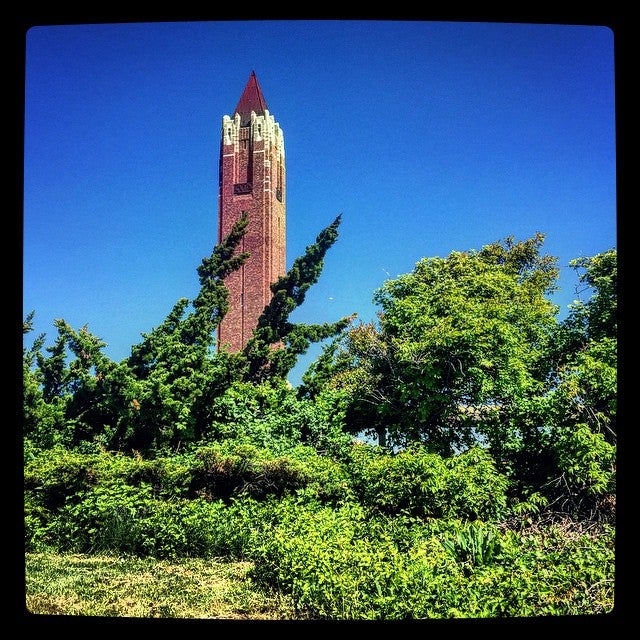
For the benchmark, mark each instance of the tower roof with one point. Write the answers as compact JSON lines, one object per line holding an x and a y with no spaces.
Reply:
{"x":251,"y":100}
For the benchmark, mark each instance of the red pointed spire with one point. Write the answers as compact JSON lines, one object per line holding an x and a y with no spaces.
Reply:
{"x":251,"y":100}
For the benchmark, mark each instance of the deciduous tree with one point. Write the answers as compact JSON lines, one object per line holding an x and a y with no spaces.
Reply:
{"x":460,"y":342}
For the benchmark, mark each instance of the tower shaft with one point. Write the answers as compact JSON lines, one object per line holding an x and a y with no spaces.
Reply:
{"x":252,"y":179}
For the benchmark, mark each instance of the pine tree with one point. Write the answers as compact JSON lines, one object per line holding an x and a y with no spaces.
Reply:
{"x":276,"y":343}
{"x":175,"y":366}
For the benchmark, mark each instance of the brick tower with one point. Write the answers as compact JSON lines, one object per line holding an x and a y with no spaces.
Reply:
{"x":252,"y":179}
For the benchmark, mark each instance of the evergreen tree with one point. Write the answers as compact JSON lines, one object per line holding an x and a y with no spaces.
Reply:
{"x":276,"y":343}
{"x":163,"y":394}
{"x":173,"y":368}
{"x":156,"y":398}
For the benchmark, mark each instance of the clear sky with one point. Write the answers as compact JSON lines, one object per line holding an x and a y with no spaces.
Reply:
{"x":428,"y":137}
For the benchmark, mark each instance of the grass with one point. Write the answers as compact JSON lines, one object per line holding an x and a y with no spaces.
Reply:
{"x":113,"y":586}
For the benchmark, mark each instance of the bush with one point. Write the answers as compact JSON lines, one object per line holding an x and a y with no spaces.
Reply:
{"x":123,"y":519}
{"x":474,"y":487}
{"x":56,"y":474}
{"x":244,"y":470}
{"x":329,"y":481}
{"x":339,"y":563}
{"x":425,"y":485}
{"x":202,"y":528}
{"x":164,"y":506}
{"x":586,"y":461}
{"x":407,"y":550}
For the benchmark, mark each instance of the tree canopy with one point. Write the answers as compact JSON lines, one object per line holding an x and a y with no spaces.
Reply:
{"x":164,"y":393}
{"x":276,"y":343}
{"x":467,"y":351}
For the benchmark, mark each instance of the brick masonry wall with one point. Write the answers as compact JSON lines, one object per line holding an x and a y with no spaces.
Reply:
{"x":252,"y":178}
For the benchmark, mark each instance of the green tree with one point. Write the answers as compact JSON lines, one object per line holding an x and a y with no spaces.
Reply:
{"x":459,"y":347}
{"x":164,"y":394}
{"x":276,"y":343}
{"x":583,"y":399}
{"x":468,"y":349}
{"x":158,"y":397}
{"x":57,"y":393}
{"x":176,"y":370}
{"x":43,"y":419}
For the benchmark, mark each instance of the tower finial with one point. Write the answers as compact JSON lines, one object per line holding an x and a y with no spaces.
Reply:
{"x":251,"y":100}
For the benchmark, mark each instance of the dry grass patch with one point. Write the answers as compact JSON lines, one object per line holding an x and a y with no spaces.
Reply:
{"x":111,"y":586}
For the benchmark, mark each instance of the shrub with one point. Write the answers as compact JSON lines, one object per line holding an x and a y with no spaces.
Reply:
{"x":328,"y":480}
{"x":586,"y":460}
{"x":55,"y":474}
{"x":112,"y":501}
{"x":426,"y":485}
{"x":38,"y":521}
{"x":342,"y":564}
{"x":244,"y":470}
{"x":169,"y":477}
{"x":108,"y":517}
{"x":474,"y":487}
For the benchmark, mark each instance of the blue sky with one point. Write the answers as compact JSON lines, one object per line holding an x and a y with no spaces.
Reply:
{"x":428,"y":137}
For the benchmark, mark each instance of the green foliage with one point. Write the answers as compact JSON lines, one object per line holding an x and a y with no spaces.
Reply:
{"x":56,"y":474}
{"x":246,"y":470}
{"x":176,"y":388}
{"x":468,"y":350}
{"x":165,"y":507}
{"x":155,"y":399}
{"x":125,"y":519}
{"x":342,"y":564}
{"x":425,"y":485}
{"x":460,"y":341}
{"x":329,"y":480}
{"x":270,"y":415}
{"x":107,"y":518}
{"x":499,"y":419}
{"x":597,"y":318}
{"x":476,"y":489}
{"x":585,"y":351}
{"x":173,"y":366}
{"x":475,"y":544}
{"x":312,"y":531}
{"x":587,"y":465}
{"x":276,"y":343}
{"x":583,"y":399}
